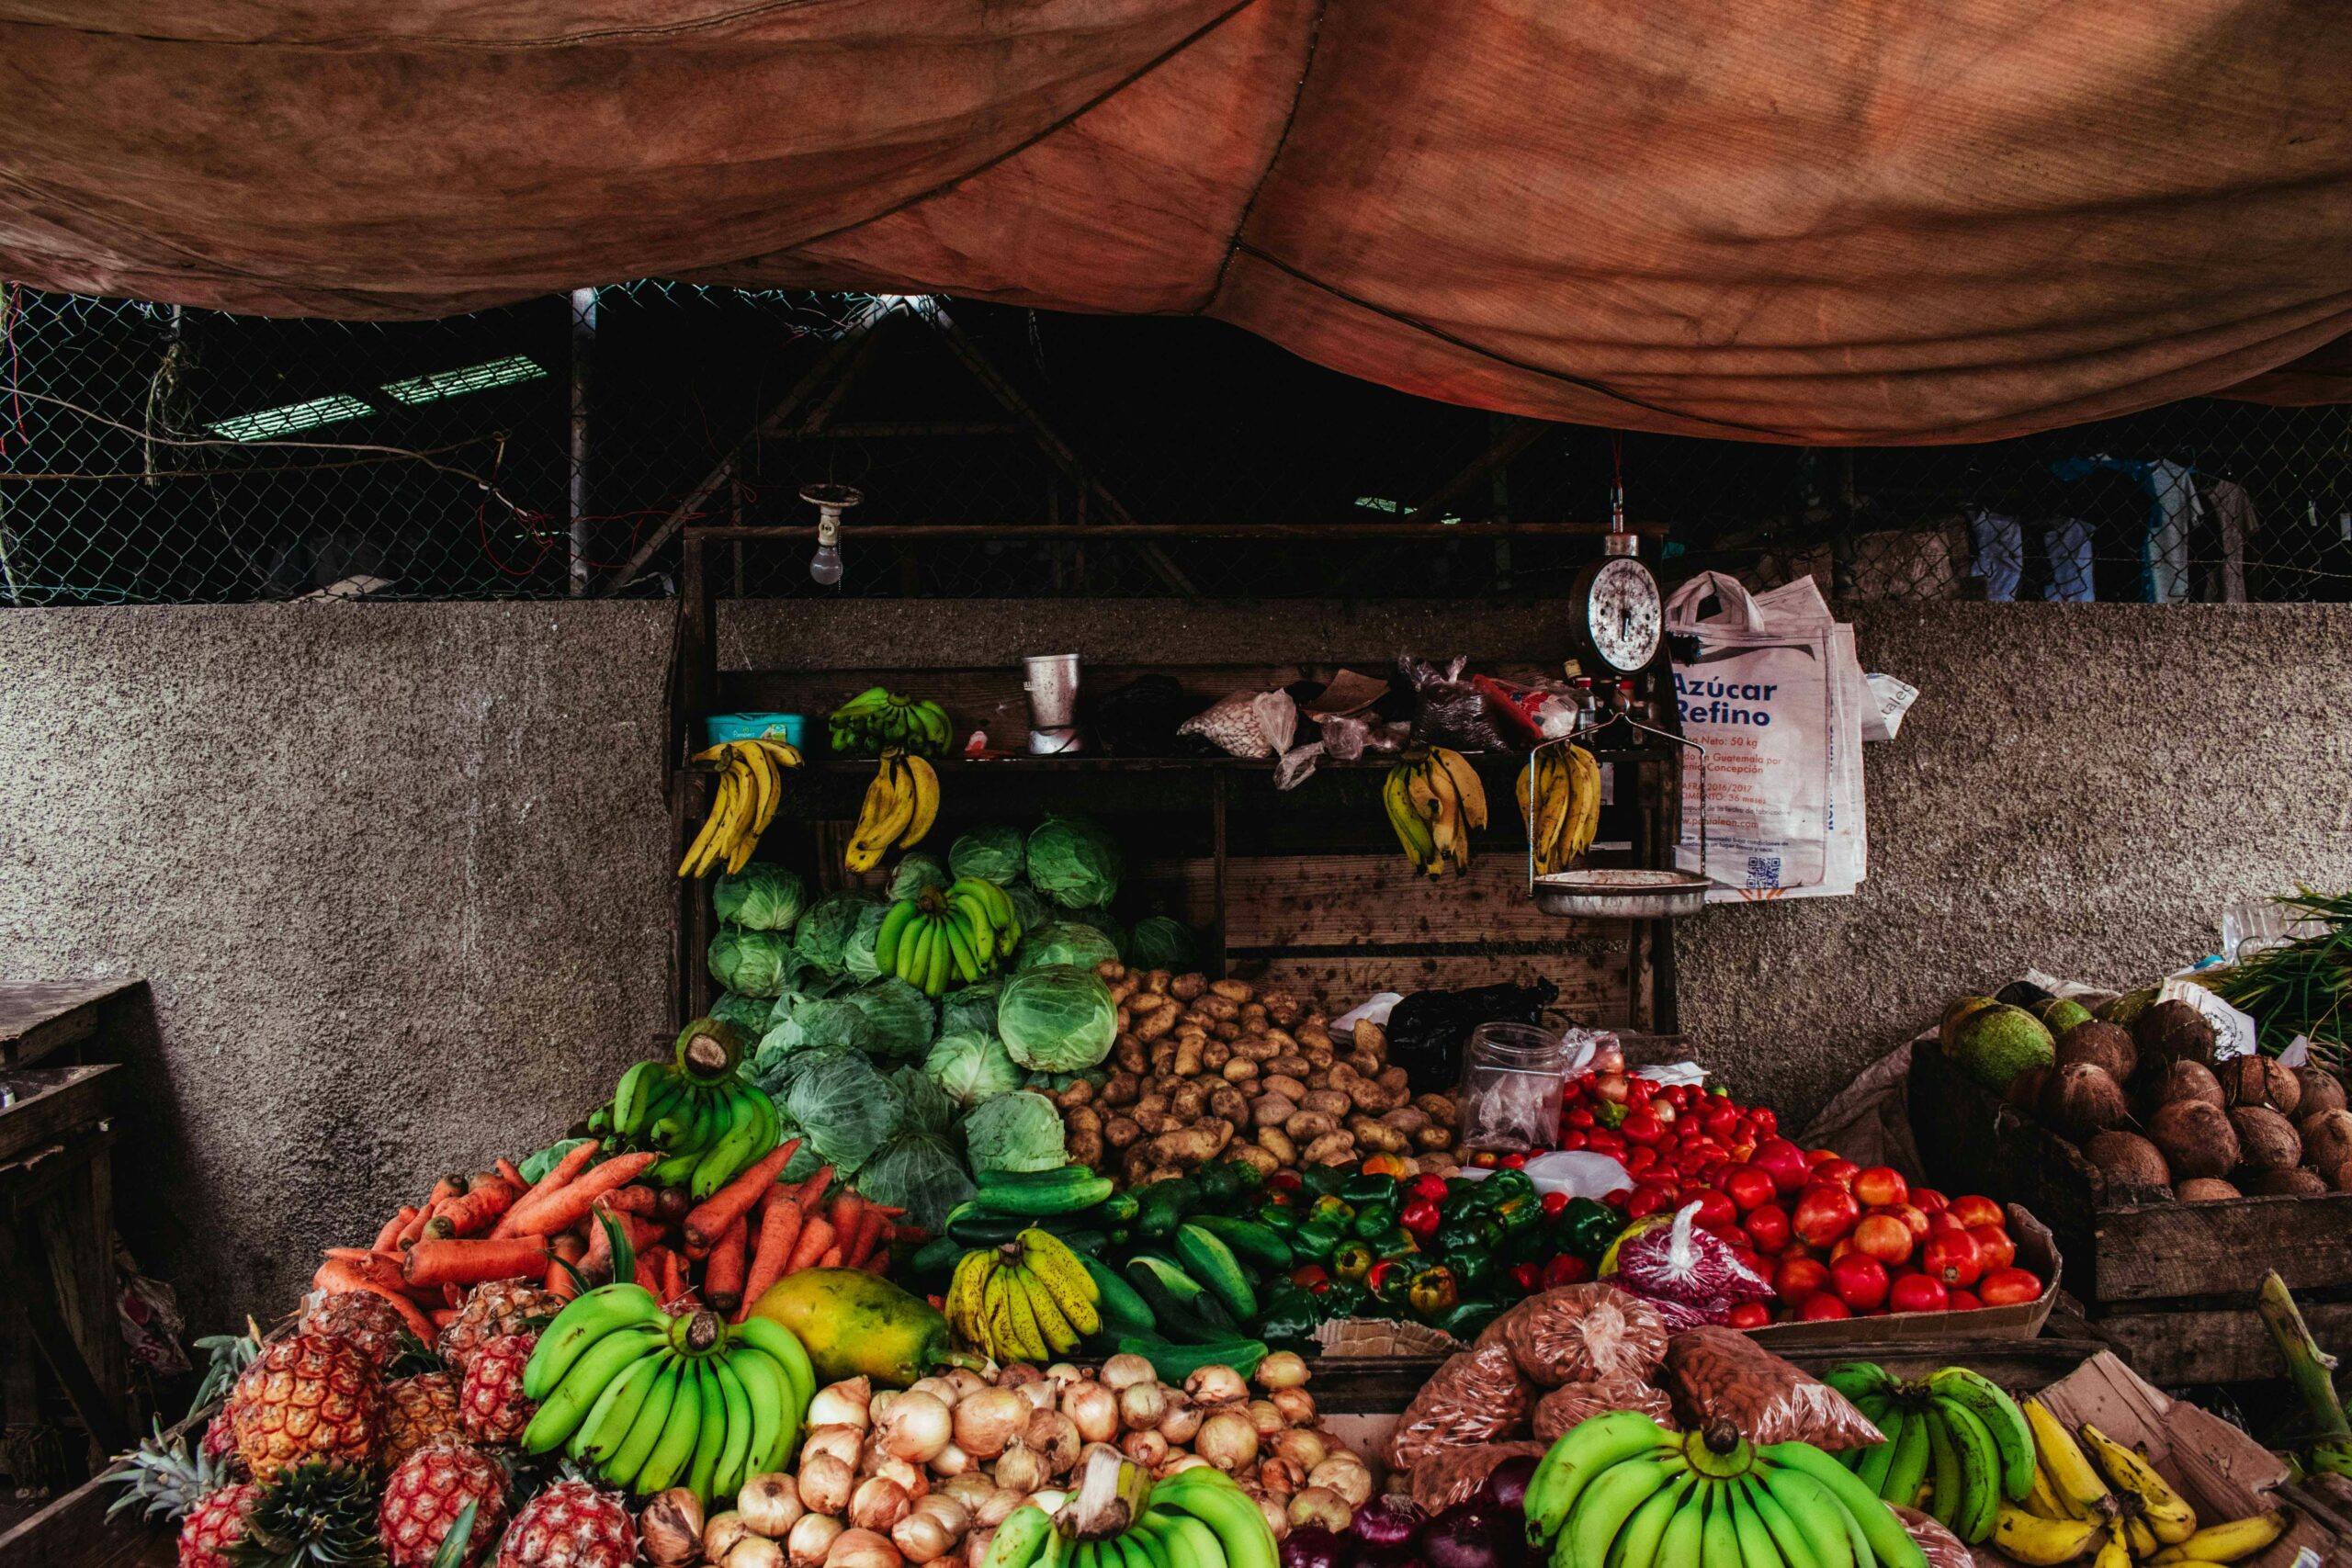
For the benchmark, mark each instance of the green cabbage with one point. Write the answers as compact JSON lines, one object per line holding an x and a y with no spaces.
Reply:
{"x":1075,"y":863}
{"x":1063,"y":942}
{"x":992,"y":854}
{"x":822,"y":937}
{"x":1158,"y":942}
{"x":756,"y":963}
{"x":1101,"y":921}
{"x":920,"y":1170}
{"x":763,"y":895}
{"x":971,"y":1010}
{"x":1058,"y":1019}
{"x":900,"y":1019}
{"x":1015,"y":1132}
{"x":844,"y":1108}
{"x":1028,"y":906}
{"x":971,"y":1068}
{"x":857,"y":957}
{"x":749,"y":1014}
{"x":917,"y":873}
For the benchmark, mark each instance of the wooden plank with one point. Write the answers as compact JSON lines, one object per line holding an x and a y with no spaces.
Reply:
{"x":74,"y":1532}
{"x":2186,"y":1250}
{"x":1591,"y":993}
{"x":2224,"y":1344}
{"x":53,"y":1101}
{"x":1336,"y":901}
{"x":40,"y":1018}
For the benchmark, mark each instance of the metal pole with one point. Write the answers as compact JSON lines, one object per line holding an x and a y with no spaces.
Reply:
{"x":583,"y":344}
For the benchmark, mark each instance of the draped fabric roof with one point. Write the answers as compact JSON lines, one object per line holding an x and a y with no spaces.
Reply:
{"x":1839,"y":220}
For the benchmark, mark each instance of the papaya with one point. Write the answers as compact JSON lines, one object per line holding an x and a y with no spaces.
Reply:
{"x":854,"y":1323}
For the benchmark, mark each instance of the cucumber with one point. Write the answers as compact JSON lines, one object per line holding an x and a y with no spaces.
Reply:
{"x":1162,"y":1206}
{"x":969,"y":1226}
{"x":1174,"y":1363}
{"x":936,"y":1258}
{"x":1212,"y":1262}
{"x":1122,"y":1311}
{"x":1260,"y":1245}
{"x":1183,"y":1307}
{"x":1038,"y":1192}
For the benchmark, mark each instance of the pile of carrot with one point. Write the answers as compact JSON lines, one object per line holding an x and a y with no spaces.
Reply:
{"x":724,"y":1252}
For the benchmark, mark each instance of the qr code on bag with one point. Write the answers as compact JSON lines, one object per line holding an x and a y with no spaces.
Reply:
{"x":1763,"y":871}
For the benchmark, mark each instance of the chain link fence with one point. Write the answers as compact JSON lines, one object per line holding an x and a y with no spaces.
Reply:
{"x":151,"y":455}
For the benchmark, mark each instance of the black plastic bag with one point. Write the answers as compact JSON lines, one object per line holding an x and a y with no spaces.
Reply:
{"x":1428,"y":1030}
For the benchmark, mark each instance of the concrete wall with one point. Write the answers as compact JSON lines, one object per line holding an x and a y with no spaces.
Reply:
{"x":396,"y":872}
{"x":2081,"y":789}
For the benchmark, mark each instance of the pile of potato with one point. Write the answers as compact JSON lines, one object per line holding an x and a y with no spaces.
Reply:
{"x":1209,"y":1069}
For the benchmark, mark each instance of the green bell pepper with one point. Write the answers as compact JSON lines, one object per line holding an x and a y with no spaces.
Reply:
{"x":1473,"y":1266}
{"x":1467,"y":1317}
{"x":1373,"y":1221}
{"x":1331,"y":1209}
{"x":1432,"y":1294}
{"x":1588,"y":1227}
{"x":1282,"y":1217}
{"x":1351,"y":1262}
{"x":1373,"y":1189}
{"x":1290,"y":1314}
{"x":1325,"y":1181}
{"x":1316,"y":1239}
{"x":1397,"y":1243}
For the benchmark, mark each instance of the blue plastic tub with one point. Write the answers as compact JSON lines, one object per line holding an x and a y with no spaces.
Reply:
{"x":787,"y":728}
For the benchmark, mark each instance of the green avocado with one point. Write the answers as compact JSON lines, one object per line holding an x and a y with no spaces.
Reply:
{"x":1958,"y":1011}
{"x":2058,"y":1014}
{"x":1994,"y":1044}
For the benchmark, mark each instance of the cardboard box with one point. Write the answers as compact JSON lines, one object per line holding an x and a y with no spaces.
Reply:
{"x":2036,"y":1250}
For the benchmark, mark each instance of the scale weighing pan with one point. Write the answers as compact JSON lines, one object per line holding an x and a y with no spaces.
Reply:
{"x":1599,"y":894}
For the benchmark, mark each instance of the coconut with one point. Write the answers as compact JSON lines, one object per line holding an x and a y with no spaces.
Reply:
{"x":2196,"y":1138}
{"x":2186,"y":1080}
{"x":2124,"y":1009}
{"x":2134,"y":1168}
{"x":2173,"y":1032}
{"x":2338,"y":1176}
{"x":2102,"y":1044}
{"x":2259,"y":1080}
{"x":2296,"y":1182}
{"x":2207,"y":1190}
{"x":2321,"y":1092}
{"x":2266,"y":1140}
{"x":2025,"y":1089}
{"x":2327,"y":1141}
{"x":2080,"y":1098}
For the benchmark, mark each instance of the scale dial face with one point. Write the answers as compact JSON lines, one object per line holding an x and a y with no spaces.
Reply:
{"x":1625,"y":615}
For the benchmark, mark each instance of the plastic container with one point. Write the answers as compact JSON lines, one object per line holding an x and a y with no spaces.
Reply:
{"x":789,"y":728}
{"x":1512,"y":1077}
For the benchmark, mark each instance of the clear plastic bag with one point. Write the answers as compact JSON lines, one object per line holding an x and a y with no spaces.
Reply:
{"x":1450,"y":711}
{"x":1693,"y":1268}
{"x":1248,"y":724}
{"x":1943,"y":1548}
{"x":1581,"y":1334}
{"x":1476,"y":1397}
{"x":1570,"y":1405}
{"x":1720,"y":1374}
{"x":1455,"y":1475}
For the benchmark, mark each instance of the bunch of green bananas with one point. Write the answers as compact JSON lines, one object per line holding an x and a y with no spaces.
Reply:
{"x":2097,"y":1492}
{"x":1619,"y":1488}
{"x":1435,"y":801}
{"x":1030,"y":1300}
{"x":944,"y":938}
{"x":1559,"y":799}
{"x":751,"y":785}
{"x":707,"y":1131}
{"x":1197,"y":1518}
{"x":900,"y":805}
{"x":1956,"y":1444}
{"x":878,"y":719}
{"x":654,"y":1401}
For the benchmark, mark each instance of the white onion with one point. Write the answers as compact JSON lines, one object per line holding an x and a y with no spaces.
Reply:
{"x":1321,"y":1505}
{"x":811,"y":1539}
{"x":921,"y":1537}
{"x":1346,"y":1474}
{"x":952,"y":1461}
{"x":673,"y":1527}
{"x":1215,"y":1385}
{"x":971,"y":1488}
{"x":878,"y":1504}
{"x":1013,"y":1374}
{"x":771,"y":1505}
{"x":1279,"y":1474}
{"x":1022,"y":1468}
{"x":1142,"y":1405}
{"x":753,"y":1551}
{"x":845,"y":1443}
{"x":1265,"y":1417}
{"x":1055,"y":1435}
{"x":1183,"y":1422}
{"x":718,"y":1534}
{"x":1179,"y":1464}
{"x":910,"y":1476}
{"x":1303,"y":1447}
{"x":1120,"y":1370}
{"x":1227,"y":1440}
{"x":1093,"y":1409}
{"x":941,"y":1389}
{"x":862,"y":1549}
{"x":1061,"y":1374}
{"x":845,"y":1404}
{"x":1276,"y":1511}
{"x":998,"y":1506}
{"x":880,"y":1404}
{"x":826,"y":1483}
{"x":975,"y":1548}
{"x":1284,"y":1368}
{"x":988,"y":1418}
{"x":1148,"y":1450}
{"x":966,"y":1382}
{"x":948,"y":1511}
{"x":1295,"y":1405}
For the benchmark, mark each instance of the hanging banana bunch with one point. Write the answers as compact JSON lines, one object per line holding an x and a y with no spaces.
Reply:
{"x":1433,"y":802}
{"x":900,"y":805}
{"x":1563,"y":783}
{"x":750,"y":786}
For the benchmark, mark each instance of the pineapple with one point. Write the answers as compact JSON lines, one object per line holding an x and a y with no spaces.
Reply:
{"x":309,"y":1397}
{"x":416,"y":1411}
{"x":312,"y":1516}
{"x":215,"y":1525}
{"x":163,"y":1480}
{"x":491,"y":1407}
{"x":500,"y":1307}
{"x":572,"y":1524}
{"x":364,"y":1319}
{"x":428,"y":1490}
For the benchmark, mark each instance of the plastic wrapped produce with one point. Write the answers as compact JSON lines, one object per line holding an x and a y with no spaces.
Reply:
{"x":1720,"y":1374}
{"x":1592,"y":1332}
{"x":1475,"y":1396}
{"x":1942,"y":1549}
{"x":1679,"y":1263}
{"x":1454,"y":1475}
{"x":1570,"y":1404}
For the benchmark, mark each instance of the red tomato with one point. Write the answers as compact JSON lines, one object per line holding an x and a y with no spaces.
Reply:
{"x":1750,"y":1185}
{"x":1553,"y":1202}
{"x":1573,"y":1138}
{"x":1718,"y":1121}
{"x":1916,"y":1293}
{"x":1715,"y":1209}
{"x":1660,"y":1176}
{"x":1994,"y":1246}
{"x":1579,"y":1117}
{"x":1568,"y":1269}
{"x":2008,"y":1286}
{"x":1644,"y":1201}
{"x":1748,"y":1315}
{"x":1618,"y":1199}
{"x":1819,"y":1156}
{"x":1914,"y":1218}
{"x":1768,"y":1228}
{"x":1823,"y":1214}
{"x":1843,"y":1245}
{"x":1639,"y":1159}
{"x":1784,"y":1160}
{"x":1838,"y":1172}
{"x":1884,"y":1237}
{"x":1798,"y":1277}
{"x":1605,"y":1143}
{"x":1880,"y":1185}
{"x":1974,"y":1211}
{"x":1768,"y":1122}
{"x":1641,"y":1127}
{"x":1860,"y":1282}
{"x":1962,"y":1301}
{"x":1928,"y":1199}
{"x":1951,"y":1257}
{"x":1820,"y":1305}
{"x":1514,"y":1162}
{"x":1943,"y":1220}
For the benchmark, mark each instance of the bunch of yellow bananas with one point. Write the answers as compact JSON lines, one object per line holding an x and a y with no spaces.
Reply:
{"x":1559,"y":799}
{"x":751,"y":785}
{"x":900,"y":805}
{"x":1433,"y":802}
{"x":1030,"y":1300}
{"x":2096,"y":1494}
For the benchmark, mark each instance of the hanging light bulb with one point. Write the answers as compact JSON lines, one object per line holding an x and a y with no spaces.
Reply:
{"x":831,"y":502}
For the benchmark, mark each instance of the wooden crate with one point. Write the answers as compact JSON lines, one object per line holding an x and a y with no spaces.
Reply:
{"x":2171,"y":1283}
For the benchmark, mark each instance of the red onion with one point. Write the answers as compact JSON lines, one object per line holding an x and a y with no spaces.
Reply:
{"x":1312,"y":1545}
{"x":1388,"y":1521}
{"x":1506,"y":1484}
{"x":1464,"y":1536}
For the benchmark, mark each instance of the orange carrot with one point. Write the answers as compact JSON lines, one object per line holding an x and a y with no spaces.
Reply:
{"x":816,"y":1237}
{"x":413,"y":1232}
{"x":833,"y":1258}
{"x":632,"y":1201}
{"x":447,"y":1186}
{"x":511,"y":1177}
{"x":870,"y":1227}
{"x":722,"y":1276}
{"x":476,"y":1261}
{"x":557,"y":1178}
{"x":338,"y":1276}
{"x":814,"y":1188}
{"x":389,"y":1238}
{"x":649,"y":1272}
{"x":779,"y":1228}
{"x":673,"y":1276}
{"x":877,"y":1264}
{"x":711,"y":1219}
{"x":562,"y":1209}
{"x":483,"y":1203}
